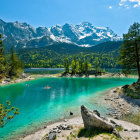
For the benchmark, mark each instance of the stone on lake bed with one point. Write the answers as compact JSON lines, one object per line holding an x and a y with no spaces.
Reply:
{"x":71,"y":113}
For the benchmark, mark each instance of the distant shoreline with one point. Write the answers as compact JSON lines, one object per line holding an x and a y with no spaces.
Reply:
{"x":59,"y":75}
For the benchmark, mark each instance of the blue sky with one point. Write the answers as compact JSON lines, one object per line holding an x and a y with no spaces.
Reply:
{"x":116,"y":14}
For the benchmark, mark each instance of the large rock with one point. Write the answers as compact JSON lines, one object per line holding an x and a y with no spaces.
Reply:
{"x":51,"y":136}
{"x":92,"y":120}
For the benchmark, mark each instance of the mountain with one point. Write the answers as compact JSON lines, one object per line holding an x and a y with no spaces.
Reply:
{"x":23,"y":35}
{"x":84,"y":34}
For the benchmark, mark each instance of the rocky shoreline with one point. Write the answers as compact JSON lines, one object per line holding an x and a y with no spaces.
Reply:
{"x":106,"y":75}
{"x":8,"y":81}
{"x":119,"y":104}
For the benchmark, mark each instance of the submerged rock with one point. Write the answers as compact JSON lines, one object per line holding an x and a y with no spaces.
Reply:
{"x":71,"y":113}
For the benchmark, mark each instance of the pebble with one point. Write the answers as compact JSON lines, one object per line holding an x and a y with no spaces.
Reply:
{"x":134,"y":130}
{"x":112,"y":122}
{"x":125,"y":129}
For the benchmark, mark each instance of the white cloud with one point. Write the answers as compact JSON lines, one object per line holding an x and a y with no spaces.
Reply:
{"x":110,"y":7}
{"x":128,"y":3}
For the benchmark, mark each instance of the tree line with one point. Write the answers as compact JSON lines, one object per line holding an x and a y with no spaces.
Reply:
{"x":50,"y":59}
{"x":10,"y":66}
{"x":78,"y":66}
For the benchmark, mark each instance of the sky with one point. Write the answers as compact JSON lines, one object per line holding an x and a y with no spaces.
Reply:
{"x":116,"y":14}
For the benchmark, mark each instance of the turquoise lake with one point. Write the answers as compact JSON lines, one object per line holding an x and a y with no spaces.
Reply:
{"x":38,"y":105}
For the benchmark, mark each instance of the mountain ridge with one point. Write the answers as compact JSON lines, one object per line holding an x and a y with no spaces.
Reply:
{"x":22,"y":35}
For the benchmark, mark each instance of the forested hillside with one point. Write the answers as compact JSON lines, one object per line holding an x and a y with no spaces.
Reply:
{"x":53,"y":55}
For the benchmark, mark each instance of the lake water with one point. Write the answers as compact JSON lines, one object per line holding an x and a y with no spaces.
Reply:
{"x":38,"y":105}
{"x":44,"y":70}
{"x":60,"y":70}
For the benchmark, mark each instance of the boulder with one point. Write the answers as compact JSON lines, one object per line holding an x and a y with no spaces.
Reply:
{"x":92,"y":120}
{"x":51,"y":136}
{"x":23,"y":75}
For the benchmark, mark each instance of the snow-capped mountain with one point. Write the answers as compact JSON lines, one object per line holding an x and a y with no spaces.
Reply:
{"x":85,"y":34}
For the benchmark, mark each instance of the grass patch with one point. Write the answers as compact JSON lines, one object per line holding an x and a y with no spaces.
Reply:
{"x":133,"y":118}
{"x":119,"y":128}
{"x":132,"y":91}
{"x":95,"y":132}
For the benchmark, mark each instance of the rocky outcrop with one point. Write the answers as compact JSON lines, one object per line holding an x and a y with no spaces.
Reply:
{"x":92,"y":120}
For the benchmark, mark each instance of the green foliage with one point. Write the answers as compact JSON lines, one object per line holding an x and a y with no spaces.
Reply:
{"x":74,"y":66}
{"x":94,"y":132}
{"x":53,"y":56}
{"x":77,"y":66}
{"x":132,"y":91}
{"x":7,"y":113}
{"x":3,"y":60}
{"x":133,"y":118}
{"x":119,"y":128}
{"x":97,"y":67}
{"x":9,"y":68}
{"x":86,"y":67}
{"x":81,"y":67}
{"x":16,"y":66}
{"x":103,"y":69}
{"x":130,"y":50}
{"x":66,"y":65}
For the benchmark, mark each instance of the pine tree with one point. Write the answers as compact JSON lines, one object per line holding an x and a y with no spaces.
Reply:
{"x":86,"y":66}
{"x":104,"y":70}
{"x":16,"y":66}
{"x":66,"y":65}
{"x":3,"y":60}
{"x":130,"y":50}
{"x":97,"y":68}
{"x":80,"y":66}
{"x":7,"y":113}
{"x":74,"y":65}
